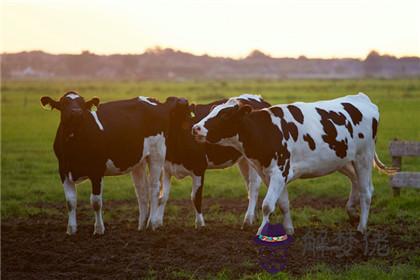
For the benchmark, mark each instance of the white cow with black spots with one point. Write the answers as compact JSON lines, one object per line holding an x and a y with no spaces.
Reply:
{"x":301,"y":140}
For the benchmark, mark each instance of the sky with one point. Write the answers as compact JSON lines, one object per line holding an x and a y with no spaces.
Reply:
{"x":230,"y":28}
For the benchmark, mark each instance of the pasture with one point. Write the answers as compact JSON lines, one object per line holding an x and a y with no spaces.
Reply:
{"x":34,"y":215}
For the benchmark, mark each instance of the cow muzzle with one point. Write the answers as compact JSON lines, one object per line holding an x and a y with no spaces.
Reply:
{"x":199,"y":133}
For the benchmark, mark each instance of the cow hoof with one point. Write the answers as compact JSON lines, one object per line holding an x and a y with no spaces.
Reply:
{"x":71,"y":230}
{"x":152,"y":225}
{"x":248,"y":221}
{"x":199,"y":221}
{"x":289,"y":230}
{"x":99,"y":230}
{"x":199,"y":225}
{"x":159,"y":222}
{"x":362,"y":229}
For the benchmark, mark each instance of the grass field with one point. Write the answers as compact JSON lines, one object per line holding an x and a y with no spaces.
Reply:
{"x":30,"y":182}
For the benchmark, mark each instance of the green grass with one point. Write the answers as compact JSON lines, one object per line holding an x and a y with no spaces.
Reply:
{"x":29,"y":168}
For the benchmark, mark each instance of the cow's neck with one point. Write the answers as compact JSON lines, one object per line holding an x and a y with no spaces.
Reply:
{"x":178,"y":136}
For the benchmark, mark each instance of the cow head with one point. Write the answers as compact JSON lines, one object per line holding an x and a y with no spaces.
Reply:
{"x":180,"y":113}
{"x":221,"y":123}
{"x":72,"y":107}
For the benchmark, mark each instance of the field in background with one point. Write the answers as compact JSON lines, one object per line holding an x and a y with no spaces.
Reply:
{"x":31,"y":190}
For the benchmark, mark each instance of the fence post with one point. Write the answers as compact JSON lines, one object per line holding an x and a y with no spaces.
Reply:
{"x":396,"y":162}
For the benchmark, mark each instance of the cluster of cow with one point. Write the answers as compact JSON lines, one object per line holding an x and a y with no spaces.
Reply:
{"x":273,"y":144}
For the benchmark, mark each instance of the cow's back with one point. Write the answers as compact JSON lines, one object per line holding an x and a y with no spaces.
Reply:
{"x":331,"y":133}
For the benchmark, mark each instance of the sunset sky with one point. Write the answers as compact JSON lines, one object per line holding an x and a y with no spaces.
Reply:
{"x":217,"y":27}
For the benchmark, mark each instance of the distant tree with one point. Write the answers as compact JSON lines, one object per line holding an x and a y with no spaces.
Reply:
{"x":257,"y":54}
{"x":373,"y":63}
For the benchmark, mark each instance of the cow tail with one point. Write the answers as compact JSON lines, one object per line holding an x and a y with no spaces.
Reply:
{"x":382,"y":168}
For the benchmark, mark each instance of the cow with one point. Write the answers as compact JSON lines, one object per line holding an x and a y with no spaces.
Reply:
{"x":302,"y":140}
{"x":117,"y":138}
{"x":186,"y":157}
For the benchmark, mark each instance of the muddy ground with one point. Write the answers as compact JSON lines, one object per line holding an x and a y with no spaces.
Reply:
{"x":38,"y":248}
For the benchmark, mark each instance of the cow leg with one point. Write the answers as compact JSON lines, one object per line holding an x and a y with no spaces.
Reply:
{"x":284,"y":206}
{"x":155,"y":170}
{"x":351,"y":206}
{"x":253,"y":182}
{"x":71,"y":199}
{"x":275,"y":189}
{"x":196,"y":198}
{"x":139,"y":177}
{"x":164,"y":196}
{"x":363,"y":167}
{"x":96,"y":203}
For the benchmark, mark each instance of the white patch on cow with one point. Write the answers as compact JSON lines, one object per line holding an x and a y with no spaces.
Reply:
{"x":177,"y":170}
{"x":153,"y":144}
{"x":155,"y":149}
{"x":202,"y":132}
{"x":145,"y":99}
{"x":213,"y":113}
{"x":212,"y":165}
{"x":197,"y":183}
{"x":72,"y":96}
{"x":78,"y":181}
{"x":71,"y":198}
{"x":111,"y":169}
{"x":274,"y":119}
{"x":249,"y":96}
{"x":98,"y":122}
{"x":232,"y":142}
{"x":96,"y":203}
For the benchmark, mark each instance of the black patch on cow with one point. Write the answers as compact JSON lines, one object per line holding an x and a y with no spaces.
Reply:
{"x":255,"y":104}
{"x":263,"y":141}
{"x":199,"y":196}
{"x":126,"y":123}
{"x":286,"y":169}
{"x":328,"y":119}
{"x":310,"y":141}
{"x":349,"y":128}
{"x":374,"y":127}
{"x":361,"y":136}
{"x":289,"y":129}
{"x":296,"y":113}
{"x":183,"y":149}
{"x":277,"y":111}
{"x":202,"y":110}
{"x":226,"y":129}
{"x":219,"y":155}
{"x":355,"y":114}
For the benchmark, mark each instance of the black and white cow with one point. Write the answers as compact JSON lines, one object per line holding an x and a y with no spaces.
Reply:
{"x":301,"y":140}
{"x":119,"y":137}
{"x":186,"y":157}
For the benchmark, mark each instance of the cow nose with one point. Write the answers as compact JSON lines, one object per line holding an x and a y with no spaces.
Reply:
{"x":196,"y":129}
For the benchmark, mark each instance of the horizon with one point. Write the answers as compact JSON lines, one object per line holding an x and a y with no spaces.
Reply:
{"x":315,"y":29}
{"x":158,"y":48}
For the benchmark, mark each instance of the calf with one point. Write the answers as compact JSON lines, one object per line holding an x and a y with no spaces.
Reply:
{"x":186,"y":157}
{"x":119,"y":137}
{"x":301,"y":140}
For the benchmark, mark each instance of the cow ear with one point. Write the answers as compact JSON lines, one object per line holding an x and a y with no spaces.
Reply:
{"x":92,"y":104}
{"x":191,"y":108}
{"x":47,"y":103}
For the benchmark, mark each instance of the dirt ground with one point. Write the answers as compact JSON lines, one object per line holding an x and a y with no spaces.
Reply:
{"x":38,"y":248}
